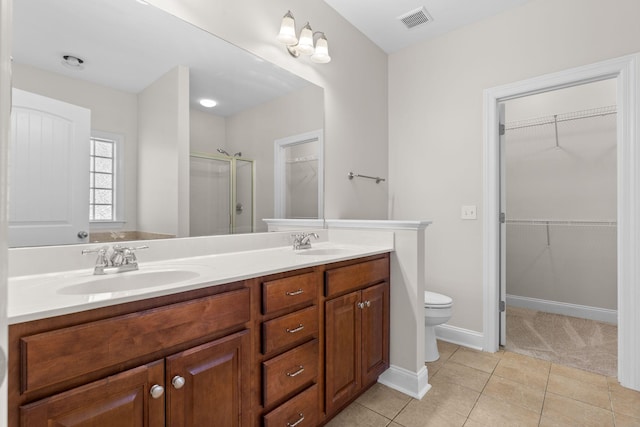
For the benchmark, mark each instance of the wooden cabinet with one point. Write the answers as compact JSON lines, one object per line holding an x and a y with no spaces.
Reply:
{"x":291,"y":348}
{"x":202,"y":386}
{"x":356,"y":333}
{"x":182,"y":364}
{"x":209,"y":385}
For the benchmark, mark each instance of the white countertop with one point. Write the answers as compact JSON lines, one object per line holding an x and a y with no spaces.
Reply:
{"x":39,"y":296}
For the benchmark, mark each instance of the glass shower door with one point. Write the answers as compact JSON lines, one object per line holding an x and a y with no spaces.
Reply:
{"x":210,"y":198}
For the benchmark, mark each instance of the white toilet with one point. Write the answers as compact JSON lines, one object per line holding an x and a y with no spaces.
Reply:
{"x":437,"y":310}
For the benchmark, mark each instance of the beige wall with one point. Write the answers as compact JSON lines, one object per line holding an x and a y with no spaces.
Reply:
{"x":163,"y":154}
{"x":254,"y":131}
{"x":435,"y":119}
{"x":355,"y":88}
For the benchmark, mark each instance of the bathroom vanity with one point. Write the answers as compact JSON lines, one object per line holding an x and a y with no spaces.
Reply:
{"x":289,"y":348}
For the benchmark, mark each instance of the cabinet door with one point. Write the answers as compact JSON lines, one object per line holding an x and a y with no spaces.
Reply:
{"x":342,"y":349}
{"x":215,"y":381}
{"x":122,"y":400}
{"x":375,"y":332}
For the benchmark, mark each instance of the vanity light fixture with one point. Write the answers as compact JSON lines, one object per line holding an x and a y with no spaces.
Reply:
{"x":208,"y":103}
{"x":309,"y":42}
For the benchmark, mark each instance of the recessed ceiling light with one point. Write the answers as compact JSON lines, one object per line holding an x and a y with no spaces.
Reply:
{"x":73,"y":62}
{"x":209,"y":103}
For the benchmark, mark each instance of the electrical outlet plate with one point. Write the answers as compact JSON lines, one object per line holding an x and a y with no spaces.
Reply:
{"x":468,"y":212}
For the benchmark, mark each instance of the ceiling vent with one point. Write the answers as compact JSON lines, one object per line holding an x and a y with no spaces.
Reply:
{"x":415,"y":17}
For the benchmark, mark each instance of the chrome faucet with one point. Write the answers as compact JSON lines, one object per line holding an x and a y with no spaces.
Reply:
{"x":121,"y":259}
{"x":303,"y":240}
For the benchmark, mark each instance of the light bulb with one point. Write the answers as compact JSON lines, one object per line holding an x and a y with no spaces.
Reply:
{"x":305,"y":44}
{"x":287,"y":33}
{"x":321,"y":54}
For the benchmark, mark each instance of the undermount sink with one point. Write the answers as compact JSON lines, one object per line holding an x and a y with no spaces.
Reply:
{"x":322,"y":251}
{"x":128,"y":281}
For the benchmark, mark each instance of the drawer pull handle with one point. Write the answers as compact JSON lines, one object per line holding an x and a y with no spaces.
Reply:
{"x":156,"y":391}
{"x":301,"y":419}
{"x":178,"y":381}
{"x":294,"y":293}
{"x":296,"y":373}
{"x":294,"y":330}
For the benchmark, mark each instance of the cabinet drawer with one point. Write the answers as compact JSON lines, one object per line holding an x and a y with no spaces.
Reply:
{"x":289,"y":372}
{"x":288,"y":292}
{"x":345,"y":279}
{"x":51,"y":357}
{"x":301,"y":411}
{"x":289,"y":329}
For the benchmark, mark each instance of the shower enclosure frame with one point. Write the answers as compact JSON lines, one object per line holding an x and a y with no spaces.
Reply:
{"x":233,"y":169}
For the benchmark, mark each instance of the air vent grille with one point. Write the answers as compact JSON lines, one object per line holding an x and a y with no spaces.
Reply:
{"x":415,"y":17}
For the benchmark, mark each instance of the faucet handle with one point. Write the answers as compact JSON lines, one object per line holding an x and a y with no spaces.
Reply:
{"x":129,"y":255}
{"x":101,"y":260}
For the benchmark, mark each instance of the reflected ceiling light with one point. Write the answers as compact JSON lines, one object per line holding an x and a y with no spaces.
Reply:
{"x":309,"y":42}
{"x":143,"y":2}
{"x":208,"y":103}
{"x":72,"y":62}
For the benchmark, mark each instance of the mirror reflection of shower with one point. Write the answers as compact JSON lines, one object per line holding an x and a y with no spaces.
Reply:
{"x":221,"y":194}
{"x":222,"y":151}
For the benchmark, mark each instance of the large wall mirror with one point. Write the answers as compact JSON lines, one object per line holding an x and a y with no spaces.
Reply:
{"x":110,"y":141}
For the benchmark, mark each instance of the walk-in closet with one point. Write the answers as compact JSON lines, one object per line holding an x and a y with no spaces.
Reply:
{"x":559,"y":185}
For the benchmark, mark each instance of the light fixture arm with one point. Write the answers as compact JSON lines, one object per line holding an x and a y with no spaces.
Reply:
{"x":293,"y":51}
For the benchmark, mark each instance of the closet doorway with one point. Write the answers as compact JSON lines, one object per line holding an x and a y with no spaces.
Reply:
{"x":558,"y":248}
{"x":626,"y":71}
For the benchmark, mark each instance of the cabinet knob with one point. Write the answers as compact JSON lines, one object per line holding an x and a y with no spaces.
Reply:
{"x":301,"y":419}
{"x":367,"y":303}
{"x":178,"y":381}
{"x":156,"y":391}
{"x":360,"y":305}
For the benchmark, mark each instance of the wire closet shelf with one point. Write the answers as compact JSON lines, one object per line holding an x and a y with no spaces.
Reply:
{"x":564,"y":117}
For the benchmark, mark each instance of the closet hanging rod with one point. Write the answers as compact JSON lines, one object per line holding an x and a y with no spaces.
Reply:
{"x":565,"y":117}
{"x":352,"y":175}
{"x":561,"y":222}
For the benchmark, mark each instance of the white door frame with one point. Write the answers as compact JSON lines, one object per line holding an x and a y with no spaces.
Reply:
{"x":626,"y":71}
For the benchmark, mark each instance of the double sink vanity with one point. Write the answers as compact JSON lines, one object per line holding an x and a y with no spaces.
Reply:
{"x":263,"y":335}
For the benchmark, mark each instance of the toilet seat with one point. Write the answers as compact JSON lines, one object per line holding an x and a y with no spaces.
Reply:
{"x":435,"y":300}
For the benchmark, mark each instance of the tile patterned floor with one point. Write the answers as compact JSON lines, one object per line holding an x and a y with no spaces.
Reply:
{"x":476,"y":389}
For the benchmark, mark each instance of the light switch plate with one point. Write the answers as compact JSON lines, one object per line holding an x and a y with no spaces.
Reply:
{"x":468,"y":212}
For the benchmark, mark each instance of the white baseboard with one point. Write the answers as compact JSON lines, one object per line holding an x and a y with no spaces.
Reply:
{"x":460,"y":336}
{"x":410,"y":383}
{"x":574,"y":310}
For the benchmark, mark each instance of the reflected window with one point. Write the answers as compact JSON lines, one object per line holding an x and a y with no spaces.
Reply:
{"x":103,"y":177}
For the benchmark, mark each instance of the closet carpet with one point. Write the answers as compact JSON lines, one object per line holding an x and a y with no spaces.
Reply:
{"x":571,"y":341}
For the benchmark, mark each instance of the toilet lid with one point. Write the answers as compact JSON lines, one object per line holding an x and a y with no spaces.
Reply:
{"x":432,"y":298}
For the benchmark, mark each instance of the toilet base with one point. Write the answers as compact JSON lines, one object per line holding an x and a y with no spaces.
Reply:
{"x":430,"y":345}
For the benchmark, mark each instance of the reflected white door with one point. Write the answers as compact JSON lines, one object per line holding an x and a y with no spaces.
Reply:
{"x":48,"y":171}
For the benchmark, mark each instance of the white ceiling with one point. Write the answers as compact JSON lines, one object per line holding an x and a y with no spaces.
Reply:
{"x":127,"y":46}
{"x":378,"y":19}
